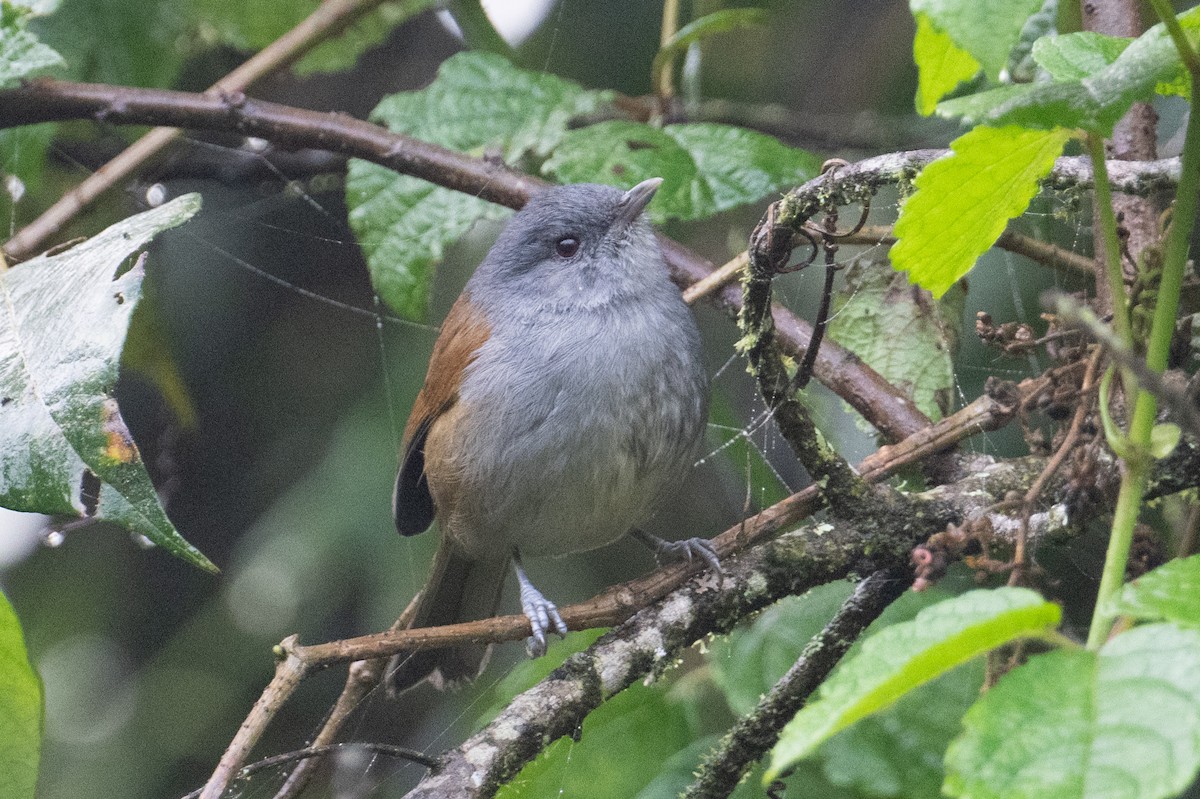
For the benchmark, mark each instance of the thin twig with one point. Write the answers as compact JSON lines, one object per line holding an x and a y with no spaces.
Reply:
{"x":1082,"y":409}
{"x":289,"y":671}
{"x":326,"y":21}
{"x":318,"y":752}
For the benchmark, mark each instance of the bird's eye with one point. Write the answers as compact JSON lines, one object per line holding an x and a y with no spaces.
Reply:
{"x":566,"y":247}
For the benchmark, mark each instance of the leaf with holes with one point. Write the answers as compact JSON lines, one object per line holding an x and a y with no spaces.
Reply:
{"x":64,"y":449}
{"x":905,"y":656}
{"x":901,"y":332}
{"x":1072,"y":724}
{"x":20,"y":710}
{"x":479,"y":102}
{"x":964,"y":201}
{"x":1169,"y":593}
{"x":705,"y":168}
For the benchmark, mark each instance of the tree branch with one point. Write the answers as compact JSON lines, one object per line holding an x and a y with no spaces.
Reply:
{"x":881,"y":403}
{"x":326,"y":21}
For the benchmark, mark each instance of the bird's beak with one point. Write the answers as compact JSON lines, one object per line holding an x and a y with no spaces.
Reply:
{"x":634,"y":202}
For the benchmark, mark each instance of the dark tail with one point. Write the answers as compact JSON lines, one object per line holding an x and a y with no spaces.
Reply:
{"x":459,"y":589}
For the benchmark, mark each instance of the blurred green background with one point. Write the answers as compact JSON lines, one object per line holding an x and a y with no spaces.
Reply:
{"x":284,"y":479}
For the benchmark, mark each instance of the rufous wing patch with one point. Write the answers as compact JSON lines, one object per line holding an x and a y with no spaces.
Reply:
{"x":463,"y":332}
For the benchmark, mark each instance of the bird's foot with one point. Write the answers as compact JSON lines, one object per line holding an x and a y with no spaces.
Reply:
{"x":688,"y":549}
{"x":543,"y":614}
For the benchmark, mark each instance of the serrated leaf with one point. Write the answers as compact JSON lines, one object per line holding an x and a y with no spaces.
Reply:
{"x":705,"y":168}
{"x":478,"y":102}
{"x":1073,"y":56}
{"x":905,"y":656}
{"x":901,"y":332}
{"x":21,"y":53}
{"x":1123,"y":722}
{"x":404,"y":226}
{"x":253,"y":26}
{"x":988,"y":31}
{"x":20,"y":710}
{"x":63,"y":320}
{"x":1094,"y":103}
{"x":1169,"y":593}
{"x":964,"y":201}
{"x":941,"y":64}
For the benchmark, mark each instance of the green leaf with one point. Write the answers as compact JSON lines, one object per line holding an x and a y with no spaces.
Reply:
{"x":1163,"y":439}
{"x":253,"y":26}
{"x":624,"y":745}
{"x":988,"y":31}
{"x":727,"y":19}
{"x":964,"y":201}
{"x":901,"y":332}
{"x":750,"y":660}
{"x":905,"y":656}
{"x":21,"y":54}
{"x":1074,"y":56}
{"x":942,"y":64}
{"x":62,"y":325}
{"x":479,"y":102}
{"x":705,"y":168}
{"x":897,"y":752}
{"x":1150,"y":63}
{"x":1073,"y":724}
{"x":20,"y":710}
{"x":127,"y":42}
{"x":1169,"y":593}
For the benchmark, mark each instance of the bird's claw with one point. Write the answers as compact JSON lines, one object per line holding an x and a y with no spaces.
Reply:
{"x":543,"y":616}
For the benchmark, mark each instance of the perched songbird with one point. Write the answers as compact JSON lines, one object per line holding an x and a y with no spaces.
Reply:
{"x":565,"y":396}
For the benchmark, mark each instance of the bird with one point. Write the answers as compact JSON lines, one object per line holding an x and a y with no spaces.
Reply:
{"x":566,"y":395}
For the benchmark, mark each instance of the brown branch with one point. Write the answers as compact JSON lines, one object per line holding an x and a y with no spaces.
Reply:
{"x":881,"y":403}
{"x":326,"y":21}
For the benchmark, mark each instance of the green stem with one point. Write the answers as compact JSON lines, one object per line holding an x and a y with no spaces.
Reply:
{"x":1112,"y":243}
{"x":1133,"y":482}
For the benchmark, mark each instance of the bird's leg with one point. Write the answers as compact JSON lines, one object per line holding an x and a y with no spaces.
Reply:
{"x":679,"y":550}
{"x":541,"y":612}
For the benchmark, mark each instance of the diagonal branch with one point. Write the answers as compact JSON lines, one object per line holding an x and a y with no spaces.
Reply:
{"x":326,"y":21}
{"x":881,"y":403}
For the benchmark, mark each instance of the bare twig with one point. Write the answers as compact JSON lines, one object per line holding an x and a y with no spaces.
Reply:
{"x":1068,"y":443}
{"x":317,"y":752}
{"x":326,"y":21}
